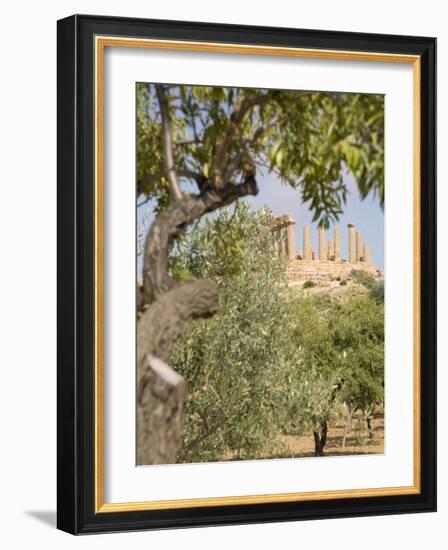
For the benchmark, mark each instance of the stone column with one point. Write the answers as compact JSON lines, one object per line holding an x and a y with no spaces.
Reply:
{"x":337,"y":244}
{"x":322,"y":244}
{"x":307,"y":253}
{"x":359,"y":251}
{"x":282,"y":234}
{"x":351,"y":243}
{"x":291,"y":238}
{"x":367,"y":256}
{"x":330,"y":250}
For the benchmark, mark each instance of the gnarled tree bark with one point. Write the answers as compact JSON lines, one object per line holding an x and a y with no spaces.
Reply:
{"x":162,"y":324}
{"x":160,"y":398}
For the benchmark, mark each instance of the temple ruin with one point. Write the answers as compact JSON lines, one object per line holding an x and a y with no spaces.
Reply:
{"x":328,"y":265}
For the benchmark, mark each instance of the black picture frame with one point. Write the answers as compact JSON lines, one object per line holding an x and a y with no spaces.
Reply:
{"x":76,"y":289}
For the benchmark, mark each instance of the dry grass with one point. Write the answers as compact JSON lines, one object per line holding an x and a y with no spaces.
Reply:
{"x":358,"y":441}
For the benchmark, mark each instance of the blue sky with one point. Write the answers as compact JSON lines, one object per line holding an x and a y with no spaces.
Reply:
{"x":366,"y":214}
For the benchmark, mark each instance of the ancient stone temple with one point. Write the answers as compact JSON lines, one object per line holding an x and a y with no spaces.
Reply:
{"x":327,"y":265}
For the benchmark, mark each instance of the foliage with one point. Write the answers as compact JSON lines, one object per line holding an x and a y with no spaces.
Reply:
{"x":235,"y":363}
{"x":314,"y":383}
{"x":377,"y":292}
{"x":308,"y":139}
{"x":342,"y":358}
{"x":375,"y":288}
{"x":357,"y":332}
{"x":363,"y":278}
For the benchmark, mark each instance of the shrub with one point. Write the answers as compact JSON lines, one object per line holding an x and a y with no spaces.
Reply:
{"x":309,"y":284}
{"x":237,"y":363}
{"x":343,"y":283}
{"x":363,"y":279}
{"x":377,"y":292}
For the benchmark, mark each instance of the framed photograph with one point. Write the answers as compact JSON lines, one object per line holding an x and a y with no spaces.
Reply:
{"x":246,"y":274}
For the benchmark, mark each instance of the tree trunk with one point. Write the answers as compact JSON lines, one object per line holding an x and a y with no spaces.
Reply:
{"x":170,"y":308}
{"x":160,"y":405}
{"x":320,"y":439}
{"x":348,"y":421}
{"x":370,"y":427}
{"x":164,"y":322}
{"x":161,"y":391}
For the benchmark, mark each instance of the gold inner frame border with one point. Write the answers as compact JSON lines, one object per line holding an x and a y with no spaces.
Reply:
{"x":100,"y":44}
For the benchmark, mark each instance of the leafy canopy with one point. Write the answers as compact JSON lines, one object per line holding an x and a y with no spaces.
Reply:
{"x":308,"y":139}
{"x":357,"y":329}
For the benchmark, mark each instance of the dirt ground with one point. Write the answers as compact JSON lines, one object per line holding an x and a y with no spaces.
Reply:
{"x":358,"y":441}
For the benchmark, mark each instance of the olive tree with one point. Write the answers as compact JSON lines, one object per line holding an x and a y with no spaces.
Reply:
{"x":238,"y":363}
{"x":342,"y":360}
{"x":357,"y":329}
{"x":316,"y":383}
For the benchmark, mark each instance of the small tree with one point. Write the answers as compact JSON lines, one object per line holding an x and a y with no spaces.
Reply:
{"x":342,"y":359}
{"x":357,"y":329}
{"x":317,"y":382}
{"x":236,"y":363}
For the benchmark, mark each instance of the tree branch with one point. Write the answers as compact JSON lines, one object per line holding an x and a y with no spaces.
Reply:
{"x":235,"y":120}
{"x":172,"y":222}
{"x":259,"y":133}
{"x":144,"y":201}
{"x":188,"y":174}
{"x":206,"y":433}
{"x":168,"y":143}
